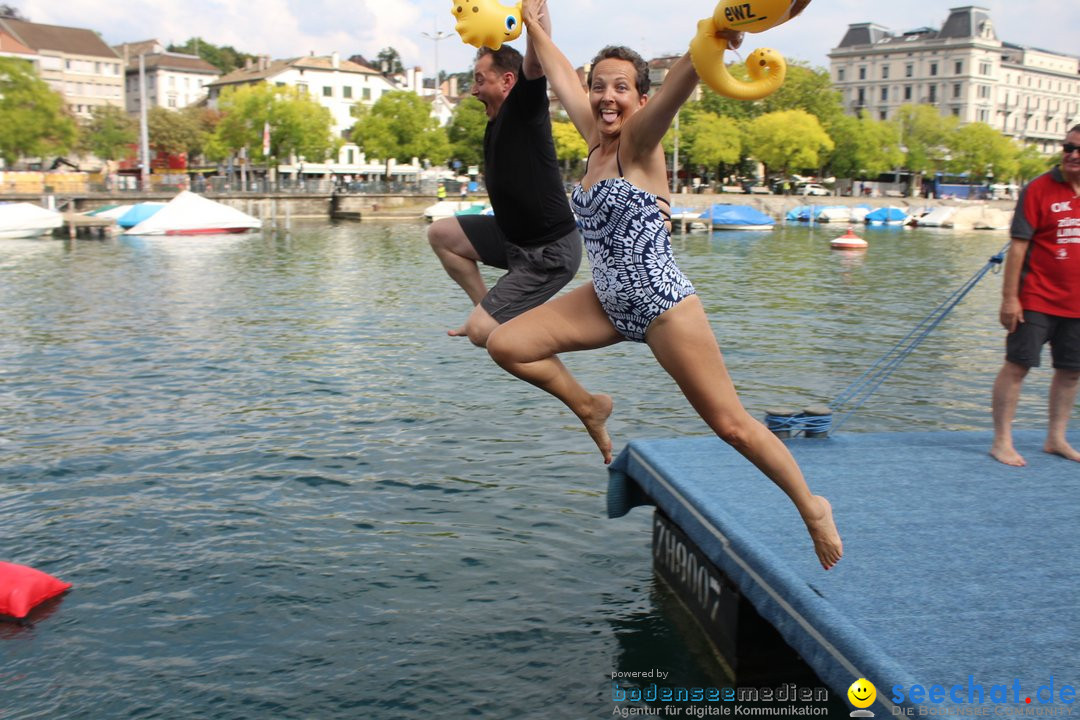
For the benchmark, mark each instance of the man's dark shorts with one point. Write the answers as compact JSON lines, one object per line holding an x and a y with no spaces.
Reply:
{"x":535,"y":273}
{"x":1024,"y":345}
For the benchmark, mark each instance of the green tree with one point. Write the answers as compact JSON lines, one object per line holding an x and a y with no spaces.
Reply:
{"x":1031,"y":163}
{"x":298,"y":124}
{"x":713,"y":141}
{"x":10,"y":11}
{"x":978,"y":149}
{"x":225,"y":57}
{"x":808,"y":89}
{"x":864,"y":147}
{"x":789,"y":140}
{"x":399,"y":125}
{"x":109,"y":133}
{"x":570,"y":147}
{"x":389,"y":61}
{"x":923,"y":132}
{"x":173,"y":131}
{"x":466,"y":131}
{"x":34,"y":121}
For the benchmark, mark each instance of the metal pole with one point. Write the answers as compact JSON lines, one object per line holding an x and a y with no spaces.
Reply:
{"x":144,"y":133}
{"x":439,"y":35}
{"x":675,"y":160}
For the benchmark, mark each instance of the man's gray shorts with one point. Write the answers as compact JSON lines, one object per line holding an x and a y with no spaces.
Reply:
{"x":534,"y":274}
{"x":1023,"y":346}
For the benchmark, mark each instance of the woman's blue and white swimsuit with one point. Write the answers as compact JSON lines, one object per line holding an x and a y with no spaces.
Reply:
{"x":629,"y":249}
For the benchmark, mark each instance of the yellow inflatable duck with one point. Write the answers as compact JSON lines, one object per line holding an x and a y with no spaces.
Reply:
{"x":765,"y":66}
{"x":487,"y":23}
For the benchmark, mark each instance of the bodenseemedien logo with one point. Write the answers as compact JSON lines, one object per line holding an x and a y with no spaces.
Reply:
{"x":862,"y":694}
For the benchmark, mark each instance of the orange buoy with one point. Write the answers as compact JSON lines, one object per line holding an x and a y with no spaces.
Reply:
{"x":849,"y":241}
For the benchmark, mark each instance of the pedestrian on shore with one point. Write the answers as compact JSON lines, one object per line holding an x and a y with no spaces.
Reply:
{"x":1040,"y":302}
{"x":638,"y":293}
{"x":533,"y":234}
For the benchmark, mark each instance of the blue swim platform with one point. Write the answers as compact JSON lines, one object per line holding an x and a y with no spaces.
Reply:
{"x":958,"y":571}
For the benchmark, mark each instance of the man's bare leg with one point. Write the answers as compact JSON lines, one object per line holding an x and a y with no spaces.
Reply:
{"x":1063,"y":388}
{"x":1005,"y":399}
{"x":460,"y":260}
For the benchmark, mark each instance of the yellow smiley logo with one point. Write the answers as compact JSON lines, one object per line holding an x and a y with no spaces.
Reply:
{"x":862,"y":693}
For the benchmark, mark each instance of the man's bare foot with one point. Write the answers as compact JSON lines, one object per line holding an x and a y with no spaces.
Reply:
{"x":1063,"y":449}
{"x":595,"y":421}
{"x":823,"y":532}
{"x":460,"y":332}
{"x":1006,"y":453}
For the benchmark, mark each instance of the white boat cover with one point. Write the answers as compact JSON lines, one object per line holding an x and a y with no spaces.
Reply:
{"x":188,"y":214}
{"x":22,"y":219}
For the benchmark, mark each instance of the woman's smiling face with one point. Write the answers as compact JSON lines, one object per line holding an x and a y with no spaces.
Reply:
{"x":613,"y":94}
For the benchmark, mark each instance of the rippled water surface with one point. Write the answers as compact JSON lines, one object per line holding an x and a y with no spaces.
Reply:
{"x":281,"y":491}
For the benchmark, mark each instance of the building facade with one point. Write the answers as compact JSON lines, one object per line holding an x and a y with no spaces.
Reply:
{"x":336,"y":84}
{"x":173,"y":80}
{"x":964,"y":70}
{"x":75,"y":62}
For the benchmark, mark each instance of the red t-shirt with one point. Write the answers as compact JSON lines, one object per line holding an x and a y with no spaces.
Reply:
{"x":1048,"y":215}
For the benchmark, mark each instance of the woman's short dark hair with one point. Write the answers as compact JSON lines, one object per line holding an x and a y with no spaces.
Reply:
{"x":505,"y":59}
{"x":621,"y":52}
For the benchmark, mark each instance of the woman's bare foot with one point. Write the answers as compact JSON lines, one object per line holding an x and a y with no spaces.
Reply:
{"x":460,"y":332}
{"x":1063,"y":449}
{"x":823,"y":532}
{"x":595,"y":421}
{"x":1006,"y":453}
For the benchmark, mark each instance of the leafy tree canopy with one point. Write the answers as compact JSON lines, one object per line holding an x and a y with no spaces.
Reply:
{"x":865,"y":148}
{"x":110,"y":133}
{"x":389,"y":61}
{"x":466,"y":131}
{"x":34,"y":121}
{"x":399,"y":125}
{"x":789,"y":140}
{"x":299,"y":125}
{"x":225,"y":58}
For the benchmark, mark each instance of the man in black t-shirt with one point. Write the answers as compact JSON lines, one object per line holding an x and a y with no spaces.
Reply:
{"x":533,"y":234}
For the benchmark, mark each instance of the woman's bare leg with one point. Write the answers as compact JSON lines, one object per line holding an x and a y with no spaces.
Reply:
{"x":683,"y":343}
{"x":527,"y":347}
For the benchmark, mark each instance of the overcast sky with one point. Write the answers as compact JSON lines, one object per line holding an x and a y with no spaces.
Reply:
{"x":287,"y":28}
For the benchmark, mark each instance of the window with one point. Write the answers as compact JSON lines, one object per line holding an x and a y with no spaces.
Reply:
{"x":346,"y":92}
{"x":959,"y":67}
{"x":862,"y":73}
{"x":956,"y":112}
{"x":984,"y":92}
{"x":907,"y":93}
{"x":840,"y":75}
{"x":957,"y":88}
{"x":862,"y":96}
{"x":366,"y":94}
{"x":984,"y":68}
{"x":327,"y":91}
{"x":933,"y":69}
{"x":884,"y":94}
{"x":301,"y":88}
{"x":909,"y":70}
{"x":884,"y":72}
{"x":933,"y":94}
{"x":883,"y":115}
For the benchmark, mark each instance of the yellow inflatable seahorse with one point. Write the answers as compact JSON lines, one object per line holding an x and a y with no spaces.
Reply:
{"x":487,"y":23}
{"x":766,"y":67}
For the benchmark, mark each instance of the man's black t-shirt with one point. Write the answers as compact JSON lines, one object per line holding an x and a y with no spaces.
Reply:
{"x":521,"y":170}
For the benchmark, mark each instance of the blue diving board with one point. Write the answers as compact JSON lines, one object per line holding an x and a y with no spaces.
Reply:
{"x":958,"y":571}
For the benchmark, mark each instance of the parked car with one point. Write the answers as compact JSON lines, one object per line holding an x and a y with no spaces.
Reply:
{"x":811,"y":189}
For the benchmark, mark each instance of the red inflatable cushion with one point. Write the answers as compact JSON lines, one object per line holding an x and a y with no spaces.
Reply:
{"x":23,"y":588}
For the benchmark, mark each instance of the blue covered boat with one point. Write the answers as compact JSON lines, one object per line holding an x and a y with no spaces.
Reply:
{"x":138,"y":213}
{"x":891,"y":215}
{"x":737,"y":217}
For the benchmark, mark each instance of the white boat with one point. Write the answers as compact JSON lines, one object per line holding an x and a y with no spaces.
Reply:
{"x":938,"y":217}
{"x":737,"y":217}
{"x":834,"y":213}
{"x":24,"y":220}
{"x":980,"y":217}
{"x":191,"y":214}
{"x":449,"y":208}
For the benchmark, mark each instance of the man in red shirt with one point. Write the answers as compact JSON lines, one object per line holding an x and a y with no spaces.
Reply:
{"x":1041,"y":302}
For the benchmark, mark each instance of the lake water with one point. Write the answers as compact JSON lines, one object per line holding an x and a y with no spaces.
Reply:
{"x":281,"y":491}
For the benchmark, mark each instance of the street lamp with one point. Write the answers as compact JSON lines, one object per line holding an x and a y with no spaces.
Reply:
{"x":439,"y":35}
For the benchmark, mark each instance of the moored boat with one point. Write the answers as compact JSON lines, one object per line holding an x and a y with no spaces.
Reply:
{"x":191,"y":214}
